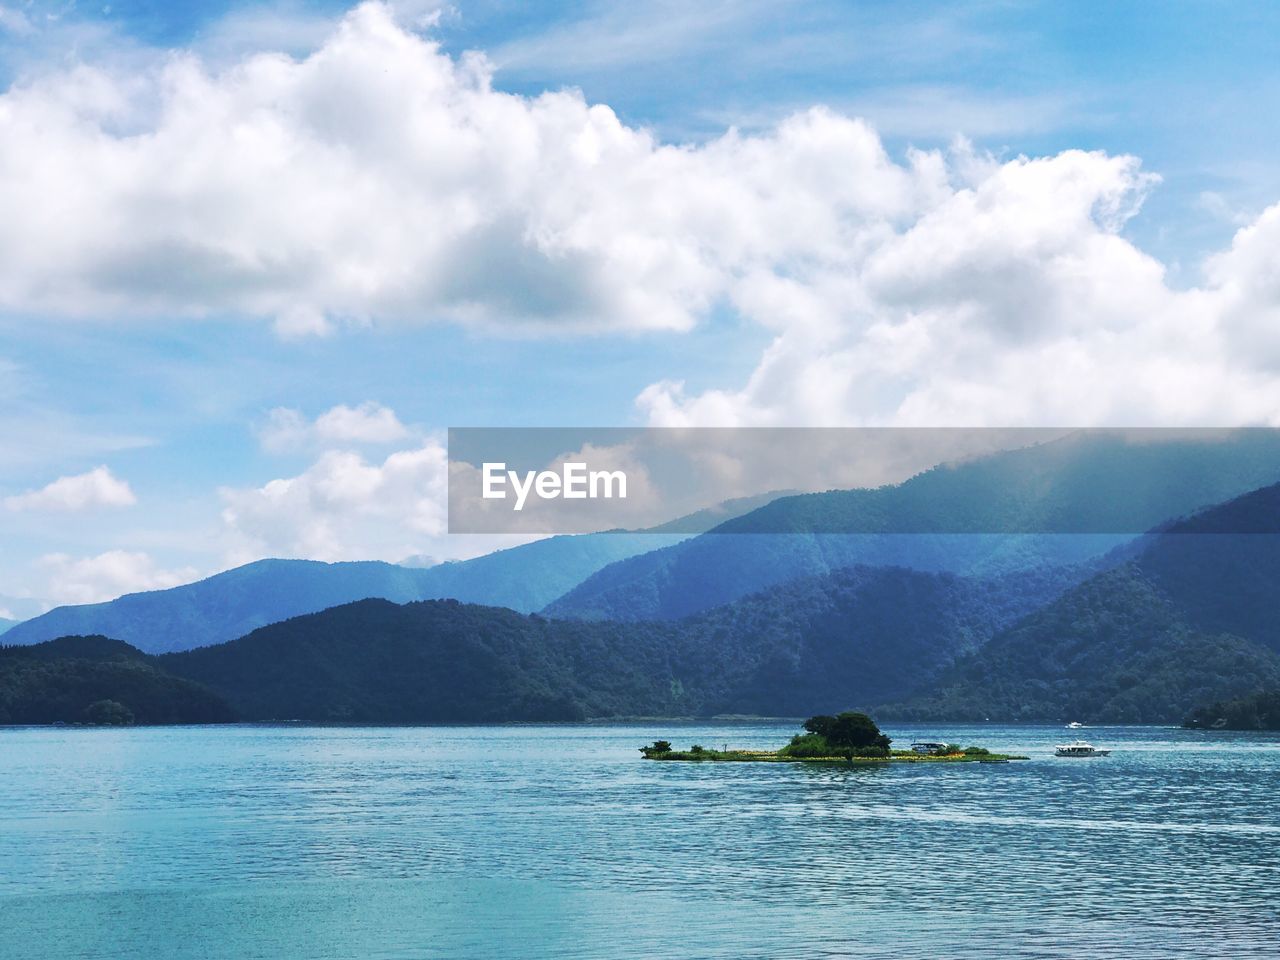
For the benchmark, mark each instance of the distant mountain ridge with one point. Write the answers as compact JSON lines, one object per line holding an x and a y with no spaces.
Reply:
{"x":6,"y":625}
{"x":232,"y":603}
{"x":1087,"y":483}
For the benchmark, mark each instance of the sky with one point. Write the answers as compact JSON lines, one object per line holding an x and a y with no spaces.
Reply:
{"x":256,"y":259}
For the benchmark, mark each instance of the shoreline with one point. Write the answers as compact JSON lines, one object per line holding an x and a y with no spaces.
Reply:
{"x":774,"y":756}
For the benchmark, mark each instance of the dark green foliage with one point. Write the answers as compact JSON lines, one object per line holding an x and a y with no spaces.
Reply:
{"x":108,"y":713}
{"x":437,"y":661}
{"x":847,"y":734}
{"x":59,"y":681}
{"x":658,"y":748}
{"x":848,"y":730}
{"x":1258,"y":711}
{"x":976,"y":751}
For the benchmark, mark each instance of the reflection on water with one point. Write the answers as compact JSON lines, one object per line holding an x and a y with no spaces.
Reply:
{"x":558,"y":841}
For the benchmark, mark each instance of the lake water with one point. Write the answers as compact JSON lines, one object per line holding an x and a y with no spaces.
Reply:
{"x":559,"y":842}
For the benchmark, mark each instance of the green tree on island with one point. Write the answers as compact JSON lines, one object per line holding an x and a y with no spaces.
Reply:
{"x":847,"y":734}
{"x":108,"y":713}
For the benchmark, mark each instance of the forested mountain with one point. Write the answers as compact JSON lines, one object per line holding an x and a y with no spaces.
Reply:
{"x":1191,"y":619}
{"x":230,"y":604}
{"x":1093,"y":490}
{"x":62,"y":680}
{"x":858,"y":635}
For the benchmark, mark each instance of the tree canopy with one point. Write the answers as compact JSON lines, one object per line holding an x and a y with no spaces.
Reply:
{"x":848,"y":731}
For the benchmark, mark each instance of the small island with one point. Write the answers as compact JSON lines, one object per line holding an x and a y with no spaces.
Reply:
{"x":847,"y":738}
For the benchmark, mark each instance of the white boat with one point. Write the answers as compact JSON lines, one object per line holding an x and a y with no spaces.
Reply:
{"x":1079,"y":749}
{"x":1075,"y":725}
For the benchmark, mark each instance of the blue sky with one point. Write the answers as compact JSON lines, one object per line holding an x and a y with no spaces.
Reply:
{"x":167,"y":372}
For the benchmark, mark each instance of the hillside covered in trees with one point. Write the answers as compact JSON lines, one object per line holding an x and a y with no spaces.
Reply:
{"x":1258,"y":711}
{"x":1188,"y":620}
{"x":70,"y":680}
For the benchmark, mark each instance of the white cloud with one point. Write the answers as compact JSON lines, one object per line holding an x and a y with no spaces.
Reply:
{"x":344,"y":507}
{"x":370,"y":423}
{"x":367,"y":423}
{"x":1009,"y":298}
{"x":97,"y":488}
{"x":106,"y":576}
{"x":197,"y":191}
{"x":942,"y":288}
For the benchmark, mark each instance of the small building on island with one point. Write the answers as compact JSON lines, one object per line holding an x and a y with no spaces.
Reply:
{"x":929,"y":747}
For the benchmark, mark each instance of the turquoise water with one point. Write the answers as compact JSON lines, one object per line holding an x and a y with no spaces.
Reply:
{"x":559,"y":842}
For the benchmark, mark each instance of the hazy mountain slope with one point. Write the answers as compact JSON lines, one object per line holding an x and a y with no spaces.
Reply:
{"x":6,"y":625}
{"x":1190,"y":620}
{"x":232,"y":603}
{"x":224,"y":606}
{"x":1082,"y":483}
{"x":525,"y":578}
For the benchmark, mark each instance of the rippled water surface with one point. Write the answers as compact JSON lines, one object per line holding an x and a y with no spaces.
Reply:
{"x":559,"y":842}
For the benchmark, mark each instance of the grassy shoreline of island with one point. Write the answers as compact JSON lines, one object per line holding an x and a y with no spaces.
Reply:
{"x":968,"y":755}
{"x":848,"y":738}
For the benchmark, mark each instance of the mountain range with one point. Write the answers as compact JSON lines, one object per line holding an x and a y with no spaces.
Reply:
{"x":866,"y":633}
{"x":1005,"y":624}
{"x":1068,"y":501}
